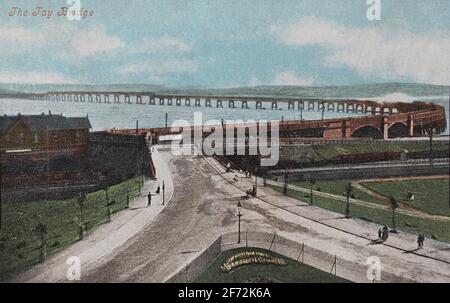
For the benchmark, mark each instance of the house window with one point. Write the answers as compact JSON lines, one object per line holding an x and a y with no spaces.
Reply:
{"x":35,"y":138}
{"x":7,"y":138}
{"x":77,"y":135}
{"x":21,"y":138}
{"x":55,"y":135}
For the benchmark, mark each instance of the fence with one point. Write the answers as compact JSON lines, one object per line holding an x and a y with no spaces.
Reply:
{"x":62,"y":223}
{"x":304,"y":253}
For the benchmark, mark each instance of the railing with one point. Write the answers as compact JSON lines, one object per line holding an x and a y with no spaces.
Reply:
{"x":325,"y":260}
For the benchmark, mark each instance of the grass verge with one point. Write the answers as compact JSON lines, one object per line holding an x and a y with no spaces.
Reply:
{"x":293,"y":272}
{"x":20,"y":245}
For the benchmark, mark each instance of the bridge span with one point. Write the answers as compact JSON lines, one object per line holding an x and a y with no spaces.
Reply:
{"x":382,"y":120}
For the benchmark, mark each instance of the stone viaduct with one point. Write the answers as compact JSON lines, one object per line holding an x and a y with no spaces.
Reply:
{"x":379,"y":120}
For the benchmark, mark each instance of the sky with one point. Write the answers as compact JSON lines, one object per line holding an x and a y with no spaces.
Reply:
{"x":216,"y":43}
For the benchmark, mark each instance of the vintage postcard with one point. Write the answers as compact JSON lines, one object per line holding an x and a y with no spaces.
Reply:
{"x":208,"y":141}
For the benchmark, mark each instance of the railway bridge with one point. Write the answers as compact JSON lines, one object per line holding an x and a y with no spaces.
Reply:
{"x":380,"y":120}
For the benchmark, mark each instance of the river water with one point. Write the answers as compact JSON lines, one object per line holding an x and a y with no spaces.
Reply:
{"x":103,"y":115}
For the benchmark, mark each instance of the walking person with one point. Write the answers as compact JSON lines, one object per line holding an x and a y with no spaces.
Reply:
{"x":385,"y":233}
{"x":420,"y":240}
{"x":149,"y":199}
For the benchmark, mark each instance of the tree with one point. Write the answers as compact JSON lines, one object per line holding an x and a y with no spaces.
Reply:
{"x":41,"y":231}
{"x":348,"y":192}
{"x":394,"y":206}
{"x":80,"y":200}
{"x":430,"y":133}
{"x":311,"y":192}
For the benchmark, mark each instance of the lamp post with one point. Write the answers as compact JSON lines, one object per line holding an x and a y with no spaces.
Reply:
{"x":348,"y":192}
{"x":430,"y":132}
{"x":311,"y":193}
{"x":323,"y":109}
{"x":239,"y":205}
{"x":163,"y":192}
{"x":256,"y":182}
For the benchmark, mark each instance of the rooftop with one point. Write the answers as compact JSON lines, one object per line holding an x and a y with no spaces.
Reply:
{"x":43,"y":122}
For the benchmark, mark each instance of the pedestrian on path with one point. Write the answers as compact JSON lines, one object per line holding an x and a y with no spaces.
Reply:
{"x":420,"y":240}
{"x":158,"y":189}
{"x":385,"y":233}
{"x":149,"y":199}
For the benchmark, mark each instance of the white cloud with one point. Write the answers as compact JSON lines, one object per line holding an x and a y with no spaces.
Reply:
{"x":164,"y":67}
{"x":35,"y":78}
{"x":165,"y":43}
{"x":283,"y":78}
{"x":86,"y":43}
{"x":65,"y":40}
{"x":291,"y":78}
{"x":388,"y":54}
{"x":20,"y":35}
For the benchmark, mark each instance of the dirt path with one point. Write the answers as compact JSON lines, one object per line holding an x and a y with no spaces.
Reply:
{"x":410,"y":212}
{"x":416,"y":212}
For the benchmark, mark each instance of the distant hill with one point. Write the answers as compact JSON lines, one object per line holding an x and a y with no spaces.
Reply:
{"x":351,"y":91}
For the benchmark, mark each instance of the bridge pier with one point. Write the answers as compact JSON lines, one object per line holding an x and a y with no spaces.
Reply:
{"x":139,"y":100}
{"x":161,"y":100}
{"x":151,"y":101}
{"x":207,"y":102}
{"x":231,"y":104}
{"x":321,"y":106}
{"x":411,"y":126}
{"x":75,"y":97}
{"x":274,"y":105}
{"x":218,"y":103}
{"x":187,"y":102}
{"x":244,"y":104}
{"x":169,"y":101}
{"x":311,"y":105}
{"x":116,"y":99}
{"x":330,"y":106}
{"x":350,"y":108}
{"x":385,"y":129}
{"x":98,"y":99}
{"x":106,"y":99}
{"x":90,"y":99}
{"x":300,"y":105}
{"x":197,"y":102}
{"x":291,"y":105}
{"x":127,"y":99}
{"x":258,"y":105}
{"x":178,"y":101}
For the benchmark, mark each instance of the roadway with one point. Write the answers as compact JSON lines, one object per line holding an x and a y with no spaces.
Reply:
{"x":204,"y":206}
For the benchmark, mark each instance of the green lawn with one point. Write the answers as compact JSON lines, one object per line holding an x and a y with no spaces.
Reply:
{"x":20,"y":245}
{"x":431,"y":228}
{"x":431,"y":195}
{"x":337,"y":187}
{"x":330,"y":151}
{"x":293,"y":272}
